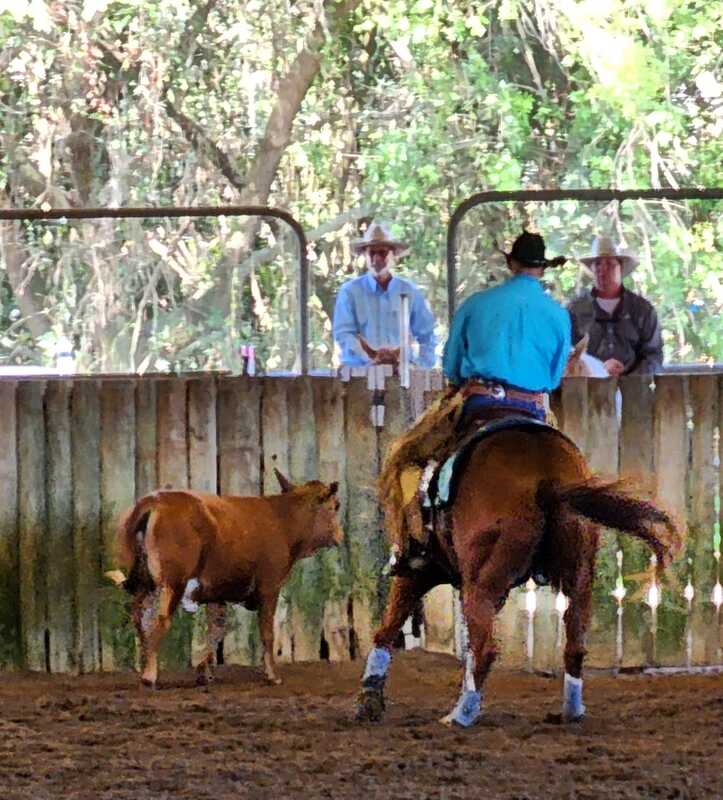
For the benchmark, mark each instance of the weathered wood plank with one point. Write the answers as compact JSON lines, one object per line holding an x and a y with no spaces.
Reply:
{"x":117,"y":486}
{"x":718,"y":541}
{"x":439,"y":620}
{"x":239,"y":472}
{"x":637,"y":467}
{"x":32,"y":523}
{"x":11,"y":651}
{"x":367,"y":545}
{"x":202,"y":455}
{"x":146,"y":437}
{"x":172,"y":434}
{"x":573,"y":401}
{"x":85,"y":457}
{"x":61,"y":571}
{"x":275,"y":428}
{"x":546,"y":654}
{"x":306,"y":591}
{"x":331,"y":453}
{"x":671,"y":448}
{"x":175,"y":650}
{"x":202,"y":467}
{"x":703,"y":480}
{"x":602,"y":453}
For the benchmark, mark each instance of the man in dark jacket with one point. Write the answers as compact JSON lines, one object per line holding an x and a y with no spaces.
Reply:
{"x":623,"y":326}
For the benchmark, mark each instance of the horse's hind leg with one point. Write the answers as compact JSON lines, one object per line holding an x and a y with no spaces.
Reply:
{"x":479,"y":610}
{"x":576,"y":583}
{"x":404,"y":594}
{"x":484,"y":589}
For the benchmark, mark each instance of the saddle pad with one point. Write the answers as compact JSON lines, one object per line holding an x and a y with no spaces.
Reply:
{"x":442,"y":488}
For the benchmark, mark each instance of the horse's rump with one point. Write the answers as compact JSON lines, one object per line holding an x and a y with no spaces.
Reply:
{"x":445,"y":482}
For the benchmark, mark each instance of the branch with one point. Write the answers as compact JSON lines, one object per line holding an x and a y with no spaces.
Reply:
{"x":28,"y":289}
{"x":202,"y":144}
{"x":194,"y":26}
{"x":268,"y":253}
{"x":292,"y":90}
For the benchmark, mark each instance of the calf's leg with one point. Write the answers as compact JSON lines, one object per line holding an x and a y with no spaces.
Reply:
{"x":267,"y":610}
{"x":152,"y":615}
{"x":215,"y":630}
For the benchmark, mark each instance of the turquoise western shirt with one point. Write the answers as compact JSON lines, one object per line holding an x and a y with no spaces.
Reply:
{"x":514,"y":333}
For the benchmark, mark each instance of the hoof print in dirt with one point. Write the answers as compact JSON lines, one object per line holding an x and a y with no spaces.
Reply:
{"x":559,"y":719}
{"x":370,"y":706}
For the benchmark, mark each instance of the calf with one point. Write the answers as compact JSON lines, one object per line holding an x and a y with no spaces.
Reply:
{"x":183,"y":546}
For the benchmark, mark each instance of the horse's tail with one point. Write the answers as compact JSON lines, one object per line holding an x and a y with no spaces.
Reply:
{"x":611,"y":504}
{"x":130,"y":548}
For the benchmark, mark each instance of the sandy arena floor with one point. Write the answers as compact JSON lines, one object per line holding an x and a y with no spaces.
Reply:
{"x":104,"y":737}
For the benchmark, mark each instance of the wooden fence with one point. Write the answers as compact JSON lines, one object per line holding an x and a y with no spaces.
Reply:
{"x":85,"y":448}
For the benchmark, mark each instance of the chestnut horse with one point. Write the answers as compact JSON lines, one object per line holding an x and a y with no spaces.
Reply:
{"x":525,"y":503}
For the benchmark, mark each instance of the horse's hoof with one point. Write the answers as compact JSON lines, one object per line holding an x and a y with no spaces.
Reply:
{"x":370,"y":706}
{"x":204,"y":680}
{"x":453,"y":722}
{"x":561,"y":719}
{"x":467,"y":711}
{"x":273,"y":681}
{"x":146,"y":683}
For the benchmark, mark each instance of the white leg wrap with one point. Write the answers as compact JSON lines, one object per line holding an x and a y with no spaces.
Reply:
{"x":186,"y":601}
{"x":469,"y":705}
{"x":572,"y":706}
{"x":378,"y":662}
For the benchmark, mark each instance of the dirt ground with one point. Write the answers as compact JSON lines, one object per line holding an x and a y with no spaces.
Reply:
{"x":102,"y":736}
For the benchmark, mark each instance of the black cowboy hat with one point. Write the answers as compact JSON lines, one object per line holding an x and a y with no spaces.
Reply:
{"x":529,"y":249}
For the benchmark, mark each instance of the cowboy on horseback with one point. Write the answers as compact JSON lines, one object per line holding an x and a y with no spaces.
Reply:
{"x":521,"y":501}
{"x":507,"y":349}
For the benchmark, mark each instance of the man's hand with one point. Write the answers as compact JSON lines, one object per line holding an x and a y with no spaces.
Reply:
{"x":614,"y":367}
{"x":387,"y":355}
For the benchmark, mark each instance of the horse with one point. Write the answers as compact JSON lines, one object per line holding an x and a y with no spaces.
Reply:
{"x":525,"y":503}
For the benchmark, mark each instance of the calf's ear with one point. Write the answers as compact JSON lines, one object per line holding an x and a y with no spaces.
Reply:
{"x":285,"y":484}
{"x":580,"y":347}
{"x":333,"y":488}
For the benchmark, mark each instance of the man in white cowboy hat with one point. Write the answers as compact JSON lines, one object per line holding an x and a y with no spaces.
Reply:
{"x":623,"y":326}
{"x":366,"y":315}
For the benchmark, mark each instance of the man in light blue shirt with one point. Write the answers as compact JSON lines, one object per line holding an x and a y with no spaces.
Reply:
{"x":508,"y":346}
{"x":366,"y":315}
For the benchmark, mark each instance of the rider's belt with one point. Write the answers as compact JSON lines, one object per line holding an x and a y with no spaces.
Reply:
{"x":500,"y":392}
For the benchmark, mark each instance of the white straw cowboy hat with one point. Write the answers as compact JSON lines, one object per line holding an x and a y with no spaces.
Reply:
{"x":379,"y":234}
{"x":605,"y":246}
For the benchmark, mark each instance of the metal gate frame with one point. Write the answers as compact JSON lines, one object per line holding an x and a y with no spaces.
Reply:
{"x":550,"y":195}
{"x":155,"y":212}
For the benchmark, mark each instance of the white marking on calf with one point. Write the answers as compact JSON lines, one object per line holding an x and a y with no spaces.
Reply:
{"x":187,"y":600}
{"x":150,"y":610}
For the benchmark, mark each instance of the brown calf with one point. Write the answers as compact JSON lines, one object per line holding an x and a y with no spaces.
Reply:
{"x":203,"y":548}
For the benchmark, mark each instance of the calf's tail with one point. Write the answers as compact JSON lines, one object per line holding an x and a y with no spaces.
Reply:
{"x":130,"y":548}
{"x":611,"y":504}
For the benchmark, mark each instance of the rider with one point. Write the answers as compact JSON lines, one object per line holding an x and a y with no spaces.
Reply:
{"x":508,"y":346}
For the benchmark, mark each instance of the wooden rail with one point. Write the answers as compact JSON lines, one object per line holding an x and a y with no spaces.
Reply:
{"x":77,"y":452}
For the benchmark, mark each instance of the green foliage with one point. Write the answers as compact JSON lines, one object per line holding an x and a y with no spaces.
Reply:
{"x":415,"y":107}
